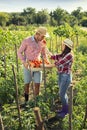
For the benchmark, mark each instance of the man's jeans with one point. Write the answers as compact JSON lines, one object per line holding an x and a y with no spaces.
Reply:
{"x":64,"y":83}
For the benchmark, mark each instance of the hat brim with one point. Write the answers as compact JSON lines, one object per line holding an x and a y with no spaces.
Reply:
{"x":47,"y":35}
{"x":67,"y":45}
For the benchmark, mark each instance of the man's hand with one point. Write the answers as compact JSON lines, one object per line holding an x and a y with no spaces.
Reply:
{"x":26,"y":65}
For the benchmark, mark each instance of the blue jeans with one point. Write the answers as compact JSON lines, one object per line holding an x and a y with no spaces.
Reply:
{"x":64,"y":83}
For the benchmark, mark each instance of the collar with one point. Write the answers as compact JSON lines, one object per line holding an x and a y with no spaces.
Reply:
{"x":32,"y":38}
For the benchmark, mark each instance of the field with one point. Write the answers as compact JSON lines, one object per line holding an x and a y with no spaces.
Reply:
{"x":14,"y":117}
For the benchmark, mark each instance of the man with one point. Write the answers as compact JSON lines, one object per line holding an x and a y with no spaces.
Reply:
{"x":31,"y":50}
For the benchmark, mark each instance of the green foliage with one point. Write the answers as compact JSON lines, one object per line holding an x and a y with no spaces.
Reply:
{"x":46,"y":100}
{"x":84,"y":22}
{"x":56,"y":17}
{"x":82,"y":47}
{"x":78,"y":14}
{"x":11,"y":121}
{"x":4,"y":18}
{"x":42,"y":17}
{"x":64,"y":31}
{"x":7,"y":91}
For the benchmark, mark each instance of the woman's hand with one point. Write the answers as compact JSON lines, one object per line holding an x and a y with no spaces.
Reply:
{"x":52,"y":57}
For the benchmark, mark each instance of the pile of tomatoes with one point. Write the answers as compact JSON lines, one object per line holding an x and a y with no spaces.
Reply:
{"x":38,"y":63}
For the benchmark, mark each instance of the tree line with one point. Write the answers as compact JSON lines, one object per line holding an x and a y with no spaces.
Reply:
{"x":54,"y":18}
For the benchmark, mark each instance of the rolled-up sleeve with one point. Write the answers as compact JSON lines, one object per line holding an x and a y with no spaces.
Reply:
{"x":44,"y":52}
{"x":21,"y":50}
{"x":65,"y":60}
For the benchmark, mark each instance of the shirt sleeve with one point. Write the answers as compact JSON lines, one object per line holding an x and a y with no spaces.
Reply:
{"x":55,"y":57}
{"x":45,"y":53}
{"x":21,"y":51}
{"x":64,"y":60}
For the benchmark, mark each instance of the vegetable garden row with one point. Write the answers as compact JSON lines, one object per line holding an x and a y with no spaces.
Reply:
{"x":11,"y":76}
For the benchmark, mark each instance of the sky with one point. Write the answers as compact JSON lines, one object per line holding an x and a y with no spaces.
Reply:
{"x":20,"y":5}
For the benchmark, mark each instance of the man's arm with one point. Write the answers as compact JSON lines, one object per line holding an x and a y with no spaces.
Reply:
{"x":21,"y":51}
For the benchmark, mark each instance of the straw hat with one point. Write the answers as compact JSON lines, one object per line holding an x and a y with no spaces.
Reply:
{"x":42,"y":31}
{"x":68,"y":43}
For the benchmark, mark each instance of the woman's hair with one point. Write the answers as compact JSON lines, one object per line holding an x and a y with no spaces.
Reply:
{"x":66,"y":51}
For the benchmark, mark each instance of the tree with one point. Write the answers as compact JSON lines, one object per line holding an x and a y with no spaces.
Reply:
{"x":84,"y":22}
{"x":17,"y":19}
{"x":29,"y":15}
{"x":59,"y":15}
{"x":42,"y":17}
{"x":78,"y":14}
{"x":73,"y":20}
{"x":53,"y":22}
{"x":85,"y":13}
{"x":4,"y":18}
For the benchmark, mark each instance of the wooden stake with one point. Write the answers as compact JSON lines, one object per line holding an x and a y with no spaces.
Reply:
{"x":85,"y":117}
{"x":44,"y":72}
{"x":4,"y":60}
{"x":70,"y":107}
{"x":1,"y":123}
{"x":17,"y":101}
{"x":16,"y":58}
{"x":39,"y":122}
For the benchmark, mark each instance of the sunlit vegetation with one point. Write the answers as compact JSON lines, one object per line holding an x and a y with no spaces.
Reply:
{"x":10,"y":40}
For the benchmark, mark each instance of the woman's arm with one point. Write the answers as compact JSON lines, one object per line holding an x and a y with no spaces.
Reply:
{"x":66,"y":59}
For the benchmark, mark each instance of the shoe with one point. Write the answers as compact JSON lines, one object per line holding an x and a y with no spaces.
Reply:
{"x":63,"y":112}
{"x":26,"y":97}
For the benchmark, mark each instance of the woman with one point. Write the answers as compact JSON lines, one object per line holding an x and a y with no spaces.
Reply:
{"x":63,"y":63}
